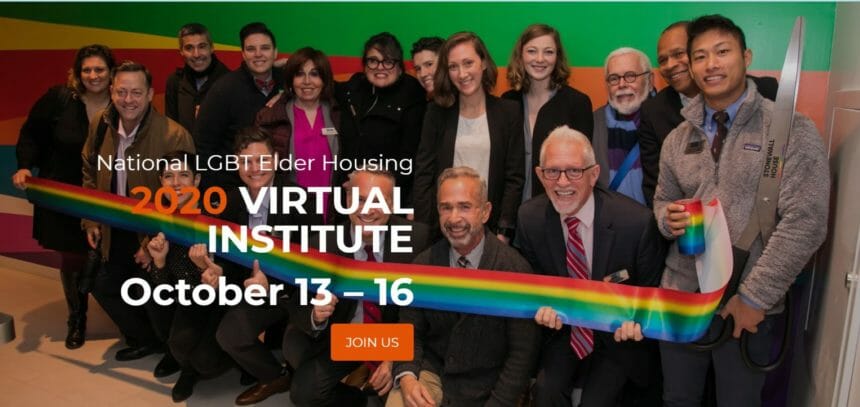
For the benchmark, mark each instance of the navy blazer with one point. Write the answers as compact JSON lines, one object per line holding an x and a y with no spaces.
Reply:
{"x":625,"y":237}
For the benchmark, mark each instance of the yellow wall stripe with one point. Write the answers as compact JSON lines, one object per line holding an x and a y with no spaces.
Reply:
{"x":49,"y":36}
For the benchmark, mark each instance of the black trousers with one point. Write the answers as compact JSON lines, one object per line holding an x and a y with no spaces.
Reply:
{"x":133,"y":322}
{"x":685,"y":369}
{"x":239,"y":331}
{"x":192,"y":339}
{"x":317,"y":379}
{"x":560,"y":369}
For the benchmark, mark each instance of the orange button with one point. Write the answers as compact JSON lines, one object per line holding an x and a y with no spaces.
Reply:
{"x":372,"y":342}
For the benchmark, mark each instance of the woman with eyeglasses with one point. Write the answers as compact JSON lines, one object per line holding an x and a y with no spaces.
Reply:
{"x":51,"y":141}
{"x":467,"y":126}
{"x":304,"y":122}
{"x":537,"y":73}
{"x":382,"y":111}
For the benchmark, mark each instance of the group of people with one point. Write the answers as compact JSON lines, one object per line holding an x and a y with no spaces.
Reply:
{"x":533,"y":181}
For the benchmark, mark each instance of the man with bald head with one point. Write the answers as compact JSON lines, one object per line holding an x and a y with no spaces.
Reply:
{"x":616,"y":145}
{"x":579,"y":229}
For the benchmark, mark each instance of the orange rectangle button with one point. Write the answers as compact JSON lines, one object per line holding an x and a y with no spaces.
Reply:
{"x":372,"y":342}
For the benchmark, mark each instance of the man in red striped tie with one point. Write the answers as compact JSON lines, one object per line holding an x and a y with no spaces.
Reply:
{"x":317,"y":379}
{"x":580,"y":230}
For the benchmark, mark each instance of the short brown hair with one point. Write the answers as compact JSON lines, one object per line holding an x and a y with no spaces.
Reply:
{"x":379,"y":173}
{"x":252,"y":134}
{"x":298,"y":59}
{"x":444,"y":93}
{"x":131,"y":66}
{"x":518,"y":78}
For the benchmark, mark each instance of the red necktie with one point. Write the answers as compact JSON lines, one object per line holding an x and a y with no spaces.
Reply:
{"x":371,"y":312}
{"x":265,"y":85}
{"x":581,"y":339}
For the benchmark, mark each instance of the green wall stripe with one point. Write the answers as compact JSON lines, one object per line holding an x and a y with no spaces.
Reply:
{"x":589,"y":30}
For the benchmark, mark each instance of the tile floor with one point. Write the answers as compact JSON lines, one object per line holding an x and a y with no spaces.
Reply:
{"x":37,"y":370}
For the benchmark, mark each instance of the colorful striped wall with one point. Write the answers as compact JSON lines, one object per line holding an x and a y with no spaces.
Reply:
{"x":38,"y":40}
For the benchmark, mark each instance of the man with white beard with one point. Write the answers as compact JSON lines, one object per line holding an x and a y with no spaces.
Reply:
{"x":616,"y":145}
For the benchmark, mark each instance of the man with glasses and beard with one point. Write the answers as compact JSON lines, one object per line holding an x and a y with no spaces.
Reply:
{"x":616,"y":144}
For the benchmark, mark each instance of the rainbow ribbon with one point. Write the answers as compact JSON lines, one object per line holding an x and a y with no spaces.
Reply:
{"x":664,"y":314}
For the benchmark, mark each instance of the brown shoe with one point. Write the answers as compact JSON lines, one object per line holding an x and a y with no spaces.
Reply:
{"x":358,"y":377}
{"x":262,"y":391}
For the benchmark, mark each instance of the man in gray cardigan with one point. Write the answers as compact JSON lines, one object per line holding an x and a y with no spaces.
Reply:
{"x":719,"y":152}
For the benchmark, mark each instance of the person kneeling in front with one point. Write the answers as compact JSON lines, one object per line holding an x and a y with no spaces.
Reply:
{"x":307,"y":343}
{"x":466,"y":359}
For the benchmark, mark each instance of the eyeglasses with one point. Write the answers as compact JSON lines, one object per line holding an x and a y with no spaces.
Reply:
{"x":629,"y":77}
{"x":572,"y":174}
{"x":374,"y":63}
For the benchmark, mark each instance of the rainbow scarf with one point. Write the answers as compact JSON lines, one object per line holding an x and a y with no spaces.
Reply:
{"x":664,"y":314}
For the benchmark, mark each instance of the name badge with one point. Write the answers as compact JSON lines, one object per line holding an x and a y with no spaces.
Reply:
{"x":329,"y":131}
{"x":695,"y":147}
{"x":617,"y":277}
{"x":752,"y":147}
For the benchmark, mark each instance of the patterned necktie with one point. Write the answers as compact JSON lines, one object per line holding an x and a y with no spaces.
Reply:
{"x":463,"y":262}
{"x":581,"y":339}
{"x":721,"y":118}
{"x":370,"y":311}
{"x":265,"y":85}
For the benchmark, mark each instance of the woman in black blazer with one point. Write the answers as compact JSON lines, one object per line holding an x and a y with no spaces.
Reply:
{"x":467,"y":126}
{"x":51,"y":141}
{"x":538,"y":73}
